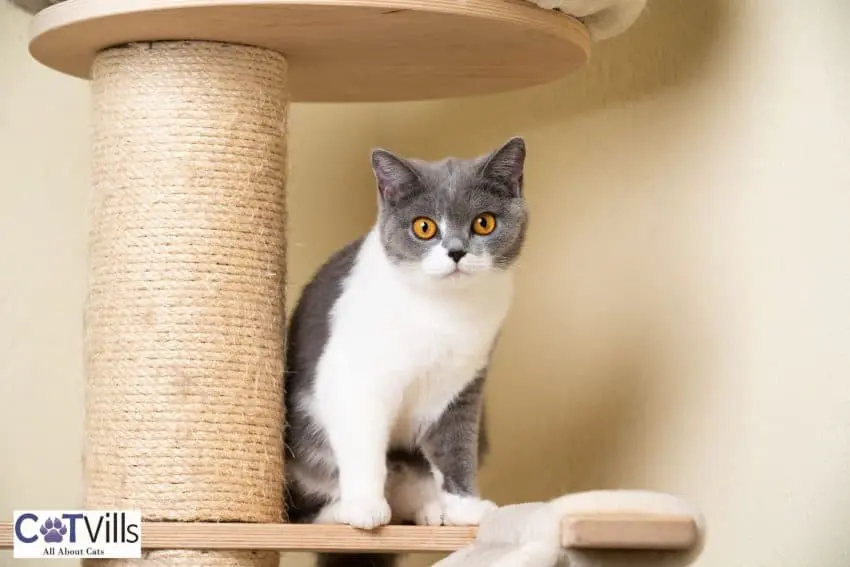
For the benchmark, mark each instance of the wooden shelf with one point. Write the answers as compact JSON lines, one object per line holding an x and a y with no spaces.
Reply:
{"x":587,"y":531}
{"x":339,"y":50}
{"x":628,"y":531}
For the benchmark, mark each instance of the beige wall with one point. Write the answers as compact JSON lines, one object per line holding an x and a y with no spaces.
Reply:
{"x":683,"y":321}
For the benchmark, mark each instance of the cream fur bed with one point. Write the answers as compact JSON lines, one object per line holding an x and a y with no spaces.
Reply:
{"x":603,"y":18}
{"x":528,"y":535}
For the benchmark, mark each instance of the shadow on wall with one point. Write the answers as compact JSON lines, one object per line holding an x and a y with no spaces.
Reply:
{"x":667,"y":48}
{"x":330,"y":191}
{"x":585,"y":378}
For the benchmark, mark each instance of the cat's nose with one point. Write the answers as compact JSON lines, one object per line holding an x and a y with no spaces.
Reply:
{"x":457,"y":254}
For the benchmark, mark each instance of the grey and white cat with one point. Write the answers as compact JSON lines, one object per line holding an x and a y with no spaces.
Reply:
{"x":389,"y":345}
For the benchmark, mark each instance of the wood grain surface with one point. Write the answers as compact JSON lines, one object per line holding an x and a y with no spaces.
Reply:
{"x":339,"y":50}
{"x":587,"y":531}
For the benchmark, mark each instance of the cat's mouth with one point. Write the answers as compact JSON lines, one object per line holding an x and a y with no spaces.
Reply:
{"x":456,"y":273}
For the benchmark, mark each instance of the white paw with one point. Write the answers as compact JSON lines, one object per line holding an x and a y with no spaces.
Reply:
{"x":363,"y":513}
{"x":465,"y":510}
{"x":431,"y":514}
{"x":327,"y":515}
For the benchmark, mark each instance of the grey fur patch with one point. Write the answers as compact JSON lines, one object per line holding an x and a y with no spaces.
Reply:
{"x":453,"y":442}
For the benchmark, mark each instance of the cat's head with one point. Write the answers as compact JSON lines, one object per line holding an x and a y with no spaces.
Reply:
{"x":453,"y":219}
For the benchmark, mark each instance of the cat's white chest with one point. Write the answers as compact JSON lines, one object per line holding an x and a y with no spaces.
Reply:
{"x":435,"y":347}
{"x":445,"y":351}
{"x":410,"y":350}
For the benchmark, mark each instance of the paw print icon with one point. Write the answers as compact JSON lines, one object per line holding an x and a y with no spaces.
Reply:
{"x":53,"y":530}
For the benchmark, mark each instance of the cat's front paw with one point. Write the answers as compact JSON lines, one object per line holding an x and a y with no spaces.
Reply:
{"x":465,"y":510}
{"x":430,"y":514}
{"x":363,"y":513}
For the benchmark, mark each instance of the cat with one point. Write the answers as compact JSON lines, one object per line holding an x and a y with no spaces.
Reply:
{"x":389,"y":344}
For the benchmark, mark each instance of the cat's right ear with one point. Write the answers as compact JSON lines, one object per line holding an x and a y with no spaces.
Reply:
{"x":392,"y":174}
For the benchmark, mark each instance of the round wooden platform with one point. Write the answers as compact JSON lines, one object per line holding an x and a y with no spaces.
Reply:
{"x":339,"y":50}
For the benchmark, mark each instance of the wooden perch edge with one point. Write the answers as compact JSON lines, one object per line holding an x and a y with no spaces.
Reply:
{"x":580,"y":531}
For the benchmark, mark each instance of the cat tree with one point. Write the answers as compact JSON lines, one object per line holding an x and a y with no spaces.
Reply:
{"x":185,"y":316}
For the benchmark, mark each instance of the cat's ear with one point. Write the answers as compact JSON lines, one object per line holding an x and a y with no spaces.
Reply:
{"x":507,"y":165}
{"x":392,"y":174}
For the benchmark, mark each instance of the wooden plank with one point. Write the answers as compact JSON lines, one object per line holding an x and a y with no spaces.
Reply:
{"x":302,"y":537}
{"x":628,"y":531}
{"x":292,"y":537}
{"x":340,"y":50}
{"x":602,"y":531}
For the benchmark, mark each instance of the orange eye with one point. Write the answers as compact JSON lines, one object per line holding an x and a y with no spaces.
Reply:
{"x":424,"y":228}
{"x":484,"y":224}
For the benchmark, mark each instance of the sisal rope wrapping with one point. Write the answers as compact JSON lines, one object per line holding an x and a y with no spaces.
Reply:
{"x":184,"y":318}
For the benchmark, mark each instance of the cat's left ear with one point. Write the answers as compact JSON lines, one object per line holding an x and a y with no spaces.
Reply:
{"x":392,"y":173}
{"x":507,"y":165}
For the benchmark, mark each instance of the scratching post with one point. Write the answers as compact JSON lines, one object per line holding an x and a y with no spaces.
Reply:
{"x":184,"y":320}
